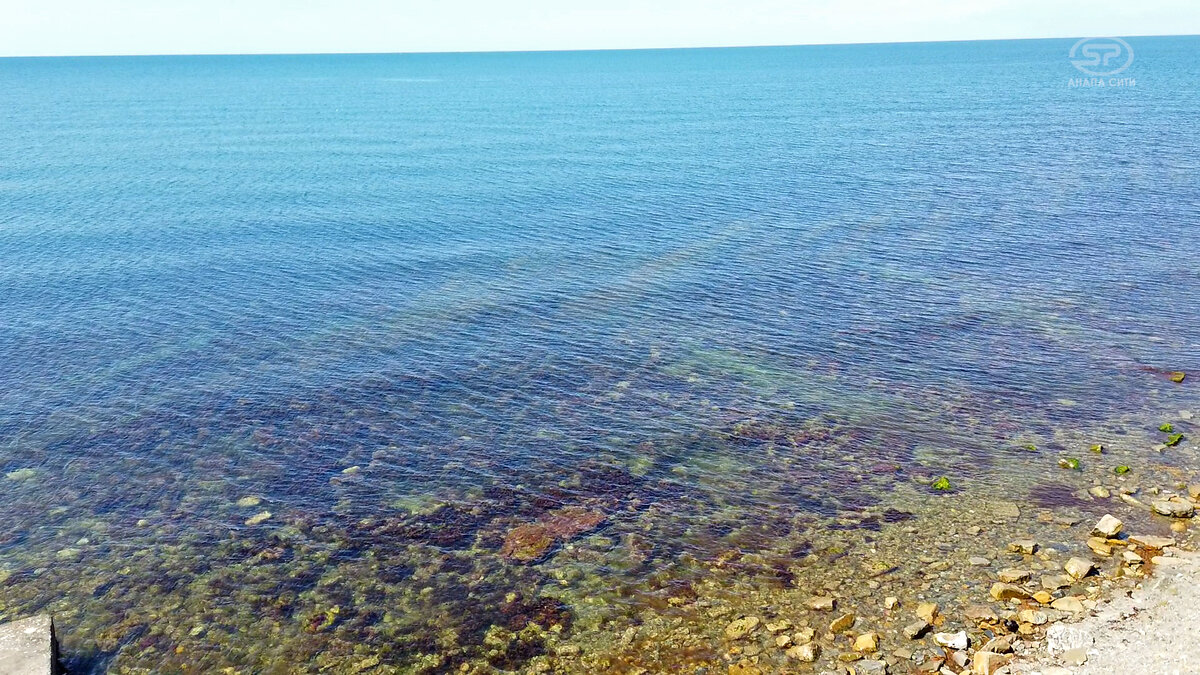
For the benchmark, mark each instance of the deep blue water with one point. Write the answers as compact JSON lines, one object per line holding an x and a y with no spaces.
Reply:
{"x":460,"y":271}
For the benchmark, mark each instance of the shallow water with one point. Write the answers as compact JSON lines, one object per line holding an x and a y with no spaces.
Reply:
{"x":732,"y":302}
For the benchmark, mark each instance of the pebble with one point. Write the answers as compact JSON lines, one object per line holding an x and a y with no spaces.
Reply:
{"x":976,"y":561}
{"x":842,"y":623}
{"x":1108,"y":527}
{"x":778,"y":626}
{"x":806,"y":653}
{"x":1069,"y":603}
{"x":999,"y":645}
{"x":783,"y":641}
{"x":1033,"y":616}
{"x":1133,"y":501}
{"x":1013,"y":576}
{"x":981,"y":614}
{"x":1079,"y":568}
{"x":1005,"y":592}
{"x":1179,"y":526}
{"x":916,"y":629}
{"x":1053,"y":582}
{"x":928,"y":611}
{"x":867,"y":642}
{"x":1043,"y":597}
{"x":870,"y":667}
{"x":987,"y":663}
{"x":1173,"y":508}
{"x":1099,"y":546}
{"x":1026,"y":546}
{"x":1100,"y":492}
{"x":742,"y":627}
{"x":957,"y":641}
{"x":891,"y":602}
{"x":821,"y":603}
{"x":1151,"y":541}
{"x":804,"y":635}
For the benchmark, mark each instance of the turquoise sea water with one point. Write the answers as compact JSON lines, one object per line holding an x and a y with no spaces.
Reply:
{"x":688,"y":290}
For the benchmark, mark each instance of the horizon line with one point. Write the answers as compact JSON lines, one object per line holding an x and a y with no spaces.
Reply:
{"x":583,"y":49}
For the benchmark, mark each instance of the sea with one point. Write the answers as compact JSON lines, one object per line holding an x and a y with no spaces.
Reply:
{"x":560,"y":361}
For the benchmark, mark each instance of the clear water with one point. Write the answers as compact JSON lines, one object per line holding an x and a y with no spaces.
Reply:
{"x":689,"y":290}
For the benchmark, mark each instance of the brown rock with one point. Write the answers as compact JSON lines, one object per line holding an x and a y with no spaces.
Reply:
{"x":928,"y":611}
{"x":842,"y":623}
{"x":527,"y":543}
{"x":981,"y":614}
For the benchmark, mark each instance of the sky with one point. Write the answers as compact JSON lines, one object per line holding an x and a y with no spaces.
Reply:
{"x":79,"y":27}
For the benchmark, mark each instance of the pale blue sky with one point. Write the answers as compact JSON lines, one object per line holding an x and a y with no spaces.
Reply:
{"x":52,"y":27}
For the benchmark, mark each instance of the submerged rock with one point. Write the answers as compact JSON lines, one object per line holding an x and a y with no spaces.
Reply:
{"x":1173,"y":508}
{"x":1151,"y":541}
{"x":1005,"y":592}
{"x":821,"y":603}
{"x":1176,"y":376}
{"x":805,"y":653}
{"x":842,"y":623}
{"x":528,"y":542}
{"x":258,"y":518}
{"x":1026,"y":546}
{"x":742,"y":627}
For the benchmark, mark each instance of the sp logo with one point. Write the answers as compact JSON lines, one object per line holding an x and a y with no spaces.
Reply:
{"x":1101,"y":56}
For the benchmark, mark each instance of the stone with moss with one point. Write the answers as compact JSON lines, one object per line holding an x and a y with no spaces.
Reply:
{"x":1177,"y":376}
{"x":1069,"y":463}
{"x":1173,"y":440}
{"x":1120,"y":470}
{"x":942,"y":484}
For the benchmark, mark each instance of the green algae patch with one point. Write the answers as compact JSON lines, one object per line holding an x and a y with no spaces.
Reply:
{"x":1173,"y":440}
{"x":941,"y":484}
{"x":1177,"y":376}
{"x":248,"y":502}
{"x":1030,"y":447}
{"x":1121,"y":470}
{"x":1166,"y":428}
{"x":1097,"y":448}
{"x":1069,"y":463}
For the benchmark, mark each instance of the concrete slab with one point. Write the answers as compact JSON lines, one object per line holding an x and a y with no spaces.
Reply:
{"x":28,"y":647}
